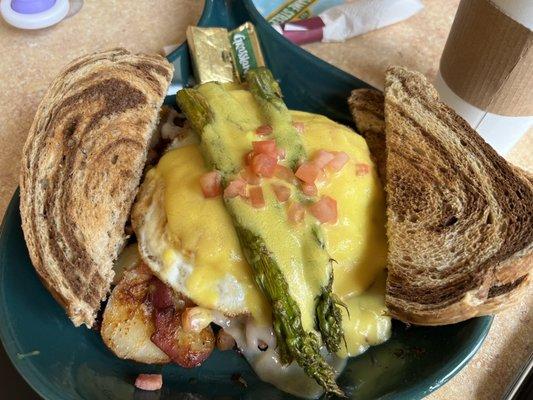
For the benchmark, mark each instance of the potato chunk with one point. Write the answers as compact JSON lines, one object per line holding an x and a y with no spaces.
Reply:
{"x":128,"y":324}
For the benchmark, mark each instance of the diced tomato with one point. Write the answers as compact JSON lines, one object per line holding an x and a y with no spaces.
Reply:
{"x":307,"y":172}
{"x":309,"y":189}
{"x":321,"y":176}
{"x":256,"y":197}
{"x":296,"y":212}
{"x":281,"y":154}
{"x":282,"y":192}
{"x":322,"y":158}
{"x":249,"y":176}
{"x":235,"y":188}
{"x":265,"y":147}
{"x":149,"y":381}
{"x":362,"y":169}
{"x":264,"y":165}
{"x":248,"y":157}
{"x":263,"y":130}
{"x":325,"y":210}
{"x":300,"y":126}
{"x":211,"y":184}
{"x":284,"y":173}
{"x":341,"y":158}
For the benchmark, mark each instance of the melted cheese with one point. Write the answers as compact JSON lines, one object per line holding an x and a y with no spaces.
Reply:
{"x":266,"y":363}
{"x":199,"y":235}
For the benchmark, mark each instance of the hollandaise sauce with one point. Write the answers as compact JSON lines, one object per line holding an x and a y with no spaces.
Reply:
{"x":199,"y":254}
{"x":216,"y":113}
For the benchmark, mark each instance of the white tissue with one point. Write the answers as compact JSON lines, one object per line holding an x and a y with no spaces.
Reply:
{"x":355,"y":18}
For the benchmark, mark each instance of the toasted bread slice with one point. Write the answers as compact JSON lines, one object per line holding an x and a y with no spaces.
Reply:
{"x":460,"y":218}
{"x":81,"y":166}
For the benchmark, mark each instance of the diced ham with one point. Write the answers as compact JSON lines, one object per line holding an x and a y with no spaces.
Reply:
{"x":256,"y":197}
{"x":161,"y":297}
{"x":235,"y":188}
{"x":300,"y":126}
{"x":325,"y":210}
{"x":309,"y":189}
{"x":211,"y":184}
{"x":265,"y":147}
{"x":284,"y":173}
{"x":282,"y":192}
{"x":322,"y":158}
{"x":250,"y":177}
{"x":362,"y":169}
{"x":149,"y":381}
{"x":264,"y":165}
{"x":296,"y":212}
{"x":194,"y":319}
{"x":307,"y":172}
{"x":341,"y":158}
{"x":263,"y":130}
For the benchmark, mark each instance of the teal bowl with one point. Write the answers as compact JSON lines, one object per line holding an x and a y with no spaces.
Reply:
{"x":62,"y":362}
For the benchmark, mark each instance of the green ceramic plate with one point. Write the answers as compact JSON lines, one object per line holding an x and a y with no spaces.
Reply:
{"x":63,"y":362}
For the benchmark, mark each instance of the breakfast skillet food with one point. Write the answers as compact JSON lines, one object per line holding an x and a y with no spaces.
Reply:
{"x":262,"y":226}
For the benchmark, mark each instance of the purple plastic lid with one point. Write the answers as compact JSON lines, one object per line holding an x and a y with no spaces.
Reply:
{"x":31,"y":6}
{"x":313,"y":30}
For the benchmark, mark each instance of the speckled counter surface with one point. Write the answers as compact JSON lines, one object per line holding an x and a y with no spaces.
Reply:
{"x":29,"y":60}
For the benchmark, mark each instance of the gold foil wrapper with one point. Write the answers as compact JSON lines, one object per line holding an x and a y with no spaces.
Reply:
{"x":210,"y":51}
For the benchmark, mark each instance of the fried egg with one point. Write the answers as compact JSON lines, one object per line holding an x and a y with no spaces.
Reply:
{"x":190,"y":243}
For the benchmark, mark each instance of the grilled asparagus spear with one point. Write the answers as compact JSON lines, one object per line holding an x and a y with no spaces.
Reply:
{"x":293,"y":341}
{"x":267,"y":93}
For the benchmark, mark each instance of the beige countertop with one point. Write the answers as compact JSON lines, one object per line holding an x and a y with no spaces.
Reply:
{"x":30,"y":60}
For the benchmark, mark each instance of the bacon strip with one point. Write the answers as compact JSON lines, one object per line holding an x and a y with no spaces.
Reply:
{"x":161,"y":297}
{"x":188,"y":349}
